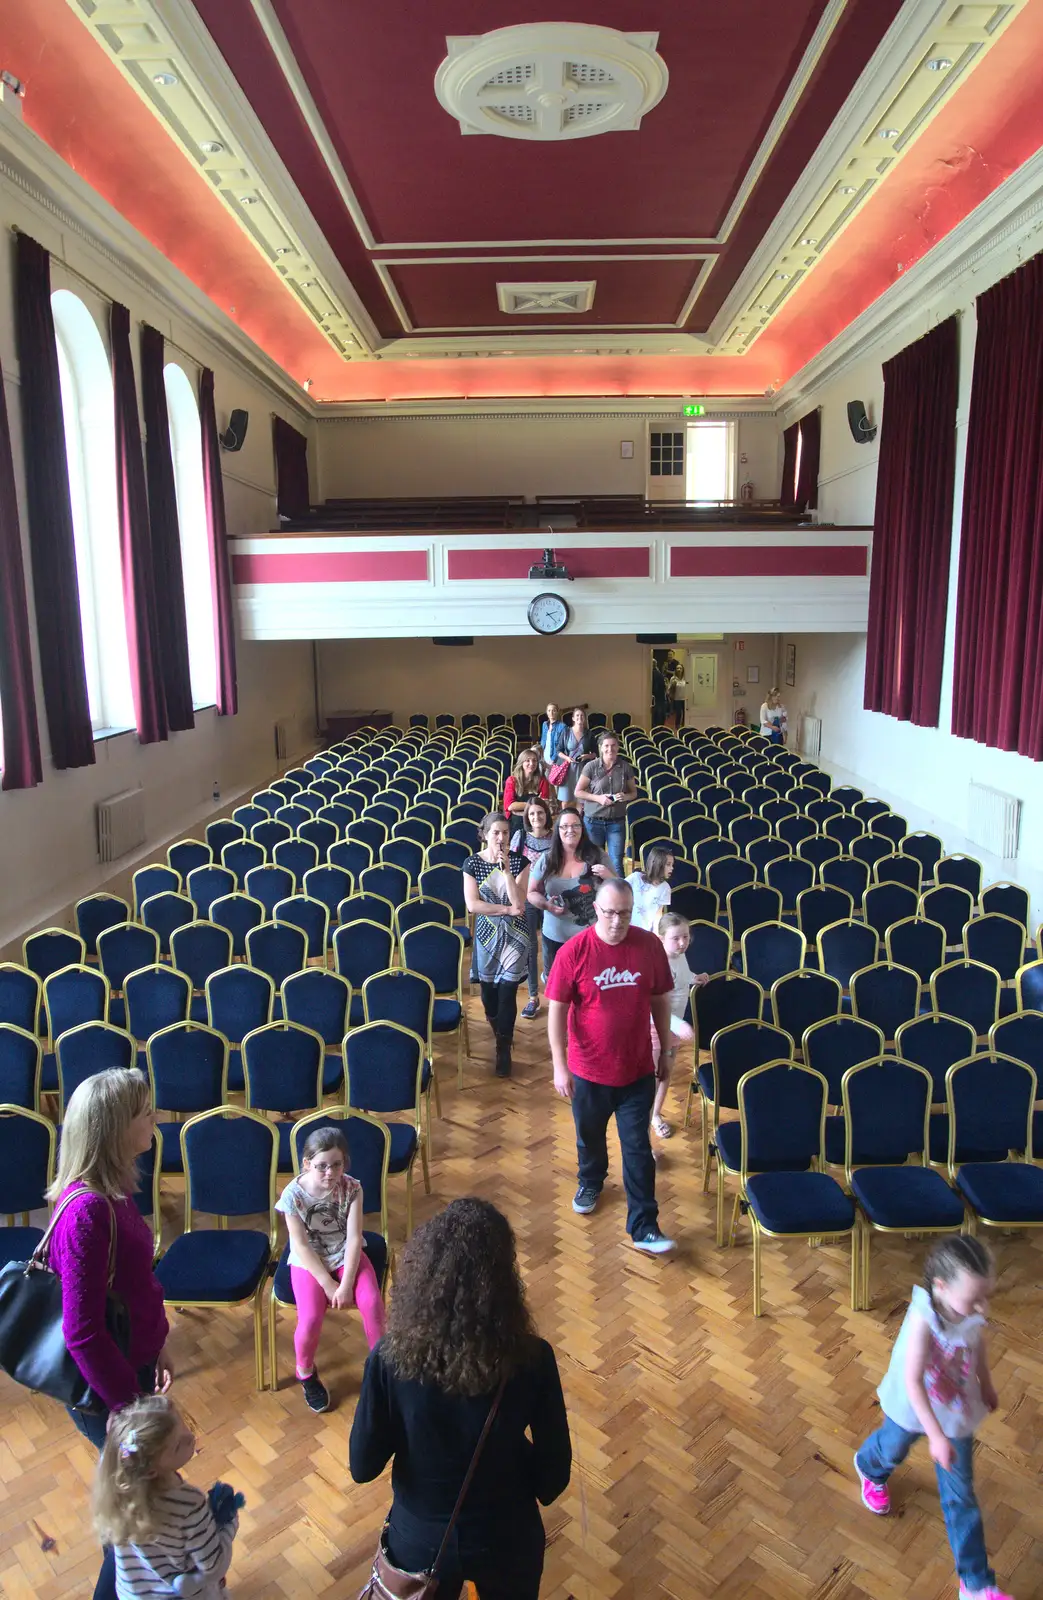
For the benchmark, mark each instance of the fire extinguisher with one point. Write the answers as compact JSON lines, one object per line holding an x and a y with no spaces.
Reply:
{"x":746,"y":492}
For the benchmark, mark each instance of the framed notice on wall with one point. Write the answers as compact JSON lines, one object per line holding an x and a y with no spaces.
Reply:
{"x":791,"y":665}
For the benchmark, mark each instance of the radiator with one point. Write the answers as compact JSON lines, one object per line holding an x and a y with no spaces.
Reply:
{"x":993,"y":820}
{"x":811,"y":737}
{"x":121,"y":824}
{"x":282,"y":741}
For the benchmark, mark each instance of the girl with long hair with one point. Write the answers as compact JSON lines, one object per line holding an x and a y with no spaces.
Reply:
{"x":459,"y":1328}
{"x":525,"y":781}
{"x":563,"y":882}
{"x":580,"y":745}
{"x":495,"y":882}
{"x":651,"y":886}
{"x":533,"y":840}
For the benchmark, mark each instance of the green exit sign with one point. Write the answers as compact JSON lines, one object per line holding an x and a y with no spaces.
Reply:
{"x":695,"y":411}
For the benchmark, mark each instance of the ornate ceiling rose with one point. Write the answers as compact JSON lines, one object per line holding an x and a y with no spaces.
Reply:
{"x":547,"y":81}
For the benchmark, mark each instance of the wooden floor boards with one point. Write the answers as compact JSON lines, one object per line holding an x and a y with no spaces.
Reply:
{"x":712,"y":1451}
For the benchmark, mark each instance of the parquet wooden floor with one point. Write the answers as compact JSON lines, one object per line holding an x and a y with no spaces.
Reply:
{"x":712,"y":1451}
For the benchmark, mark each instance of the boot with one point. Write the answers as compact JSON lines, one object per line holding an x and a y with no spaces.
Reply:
{"x":503,"y":1056}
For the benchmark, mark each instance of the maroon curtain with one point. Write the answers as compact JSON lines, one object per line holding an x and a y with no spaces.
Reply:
{"x":51,"y":542}
{"x":220,"y":573}
{"x":291,"y":470}
{"x":912,"y":530}
{"x":23,"y":768}
{"x":788,"y":492}
{"x":139,"y":588}
{"x":999,"y":608}
{"x":806,"y":493}
{"x":172,"y":626}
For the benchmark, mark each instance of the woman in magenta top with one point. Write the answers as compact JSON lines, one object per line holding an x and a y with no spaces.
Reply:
{"x":108,"y":1125}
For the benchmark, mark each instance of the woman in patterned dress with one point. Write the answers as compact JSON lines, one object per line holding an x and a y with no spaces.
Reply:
{"x":496,"y":881}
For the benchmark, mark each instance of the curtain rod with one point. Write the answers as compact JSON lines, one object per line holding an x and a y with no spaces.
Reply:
{"x":105,"y":294}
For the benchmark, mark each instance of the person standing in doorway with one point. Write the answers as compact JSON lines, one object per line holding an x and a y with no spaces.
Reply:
{"x":658,"y":694}
{"x":774,"y":721}
{"x":607,"y":989}
{"x":606,"y":787}
{"x":679,"y":693}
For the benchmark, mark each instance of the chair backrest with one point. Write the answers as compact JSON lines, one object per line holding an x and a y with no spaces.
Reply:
{"x":382,"y":1067}
{"x":188,"y":853}
{"x":230,"y":1158}
{"x":736,"y":1049}
{"x":237,"y":999}
{"x":21,"y":995}
{"x":800,"y":999}
{"x":21,"y":1062}
{"x":845,"y":947}
{"x":391,"y":882}
{"x":398,"y":995}
{"x":209,"y":883}
{"x":200,"y":948}
{"x":846,"y":873}
{"x":750,"y":905}
{"x":277,"y":949}
{"x":221,"y":831}
{"x":770,"y":950}
{"x":961,"y":870}
{"x":187,"y":1067}
{"x":726,"y":999}
{"x":165,"y":912}
{"x":897,"y":868}
{"x":155,"y":997}
{"x":1009,"y":898}
{"x":330,"y":884}
{"x":935,"y":1042}
{"x":51,"y":949}
{"x":241,"y":857}
{"x":790,"y":876}
{"x":310,"y":917}
{"x":422,"y":909}
{"x":1029,"y":986}
{"x":886,"y":1106}
{"x":990,"y":1100}
{"x":437,"y":952}
{"x":886,"y":994}
{"x":1020,"y":1036}
{"x":282,"y":1067}
{"x":996,"y":940}
{"x":27,"y":1146}
{"x":362,"y":948}
{"x":152,"y":880}
{"x":967,"y":989}
{"x":73,"y":995}
{"x":87,"y":1049}
{"x":782,"y":1115}
{"x":95,"y":913}
{"x":318,"y":999}
{"x":918,"y":943}
{"x":952,"y":906}
{"x":296,"y":855}
{"x":361,"y":907}
{"x":840,"y":1042}
{"x":887,"y":903}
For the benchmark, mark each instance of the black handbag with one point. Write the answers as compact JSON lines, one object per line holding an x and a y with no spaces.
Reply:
{"x":32,"y":1344}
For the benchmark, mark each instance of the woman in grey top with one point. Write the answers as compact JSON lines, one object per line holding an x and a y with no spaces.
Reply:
{"x":606,"y":787}
{"x":558,"y":879}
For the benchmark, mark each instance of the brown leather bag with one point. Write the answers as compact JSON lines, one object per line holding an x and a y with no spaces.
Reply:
{"x":388,"y":1582}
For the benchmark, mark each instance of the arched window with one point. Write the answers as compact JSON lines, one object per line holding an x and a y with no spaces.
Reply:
{"x":187,"y":451}
{"x":90,"y":447}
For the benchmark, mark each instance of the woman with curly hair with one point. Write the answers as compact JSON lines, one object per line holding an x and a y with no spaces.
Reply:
{"x":458,"y":1329}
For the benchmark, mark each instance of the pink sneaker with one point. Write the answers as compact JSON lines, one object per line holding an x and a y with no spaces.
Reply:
{"x":875,"y":1497}
{"x":984,"y":1594}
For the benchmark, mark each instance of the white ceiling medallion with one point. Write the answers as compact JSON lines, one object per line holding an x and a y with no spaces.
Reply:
{"x":546,"y":298}
{"x":551,"y":80}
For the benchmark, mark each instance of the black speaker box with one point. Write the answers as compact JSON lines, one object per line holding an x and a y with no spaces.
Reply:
{"x":656,"y":638}
{"x":235,"y":433}
{"x":452,"y":641}
{"x":862,"y":430}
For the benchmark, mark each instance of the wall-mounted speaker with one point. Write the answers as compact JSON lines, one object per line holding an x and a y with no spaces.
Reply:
{"x":452,"y":641}
{"x":656,"y":638}
{"x":862,"y":430}
{"x":235,"y":433}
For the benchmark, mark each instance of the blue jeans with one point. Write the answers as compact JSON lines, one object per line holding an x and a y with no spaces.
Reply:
{"x":611,"y":837}
{"x":593,"y":1104}
{"x":888,"y":1447}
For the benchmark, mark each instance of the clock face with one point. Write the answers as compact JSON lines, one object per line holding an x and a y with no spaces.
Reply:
{"x":548,"y":613}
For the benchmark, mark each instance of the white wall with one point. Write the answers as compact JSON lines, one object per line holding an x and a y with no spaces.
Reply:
{"x":924,"y":771}
{"x":48,"y":853}
{"x":573,"y":454}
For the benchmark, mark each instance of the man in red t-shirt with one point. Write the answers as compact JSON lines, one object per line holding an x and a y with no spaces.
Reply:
{"x":603,"y":989}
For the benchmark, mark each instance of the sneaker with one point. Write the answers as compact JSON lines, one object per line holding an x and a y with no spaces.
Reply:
{"x":875,"y":1497}
{"x":316,"y":1394}
{"x":531,"y":1009}
{"x":984,"y":1594}
{"x":584,"y":1200}
{"x":653,"y":1242}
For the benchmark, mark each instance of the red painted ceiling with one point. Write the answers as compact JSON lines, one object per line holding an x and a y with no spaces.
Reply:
{"x":417,"y":176}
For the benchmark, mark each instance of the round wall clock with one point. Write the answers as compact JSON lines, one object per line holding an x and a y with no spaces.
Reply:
{"x":548,"y":613}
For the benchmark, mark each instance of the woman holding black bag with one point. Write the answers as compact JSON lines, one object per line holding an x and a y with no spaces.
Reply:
{"x":108,"y":1125}
{"x":457,"y":1380}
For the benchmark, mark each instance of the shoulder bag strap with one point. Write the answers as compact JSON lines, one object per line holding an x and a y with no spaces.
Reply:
{"x":462,"y":1496}
{"x":39,"y":1255}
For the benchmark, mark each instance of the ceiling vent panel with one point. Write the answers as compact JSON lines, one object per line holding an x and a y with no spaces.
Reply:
{"x":546,"y":299}
{"x":551,"y":80}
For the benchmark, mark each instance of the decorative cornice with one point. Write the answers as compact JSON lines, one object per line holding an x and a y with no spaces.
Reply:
{"x":998,"y":228}
{"x":500,"y":411}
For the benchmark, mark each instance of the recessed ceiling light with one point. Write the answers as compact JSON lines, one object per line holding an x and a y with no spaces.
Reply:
{"x":285,"y":250}
{"x":310,"y":283}
{"x":809,"y":241}
{"x":248,"y":199}
{"x":783,"y":275}
{"x":846,"y":188}
{"x":887,"y":133}
{"x":938,"y":64}
{"x":164,"y":80}
{"x":763,"y":308}
{"x":212,"y":147}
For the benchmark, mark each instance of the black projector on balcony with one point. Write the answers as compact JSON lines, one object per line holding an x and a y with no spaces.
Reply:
{"x":549,"y":568}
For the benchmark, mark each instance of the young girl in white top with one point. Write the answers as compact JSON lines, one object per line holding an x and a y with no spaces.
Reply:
{"x":651,"y":886}
{"x":674,"y":935}
{"x":328,"y":1266}
{"x":938,"y":1383}
{"x":169,"y":1537}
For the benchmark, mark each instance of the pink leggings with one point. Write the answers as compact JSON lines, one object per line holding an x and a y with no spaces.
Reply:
{"x":312,"y":1306}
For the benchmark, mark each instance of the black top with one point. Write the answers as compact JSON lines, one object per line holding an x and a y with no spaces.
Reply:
{"x":432,"y":1436}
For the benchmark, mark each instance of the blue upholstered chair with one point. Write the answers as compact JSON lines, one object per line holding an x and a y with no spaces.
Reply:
{"x":241,"y":857}
{"x":209,"y":883}
{"x":727,"y":998}
{"x":237,"y":999}
{"x":21,"y":996}
{"x":831,"y":1047}
{"x":844,"y":948}
{"x":800,"y":999}
{"x":188,"y":1072}
{"x":887,"y":1107}
{"x":164,"y":912}
{"x":734,"y":1051}
{"x":782,"y":1109}
{"x":969,"y":990}
{"x":21,"y":1066}
{"x":953,"y":906}
{"x":295,"y":855}
{"x":991,"y":1100}
{"x":311,"y":917}
{"x":917,"y":943}
{"x":27,"y":1145}
{"x":86,"y":1049}
{"x":277,"y":949}
{"x":51,"y":949}
{"x":437,"y":953}
{"x":848,"y":874}
{"x":237,"y":914}
{"x":321,"y":1000}
{"x":95,"y":913}
{"x":383,"y":1074}
{"x":229,"y":1160}
{"x":221,"y":832}
{"x":749,"y":906}
{"x":898,"y":868}
{"x":155,"y":996}
{"x":887,"y":995}
{"x":360,"y":949}
{"x":408,"y":998}
{"x":154,"y":879}
{"x":791,"y":876}
{"x":187,"y":854}
{"x":283,"y":1066}
{"x":197,"y":950}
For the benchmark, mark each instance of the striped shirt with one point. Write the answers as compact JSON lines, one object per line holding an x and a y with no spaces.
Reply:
{"x":188,"y":1555}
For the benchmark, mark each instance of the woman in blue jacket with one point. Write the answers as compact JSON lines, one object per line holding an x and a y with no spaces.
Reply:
{"x":552,"y":736}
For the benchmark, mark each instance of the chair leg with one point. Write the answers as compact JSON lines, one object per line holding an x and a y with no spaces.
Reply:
{"x":720,"y":1204}
{"x":258,"y":1337}
{"x":756,"y":1268}
{"x":460,"y":1058}
{"x":273,"y":1371}
{"x":867,"y":1300}
{"x":423,"y":1163}
{"x":704,"y":1139}
{"x":735,"y":1222}
{"x":434,"y":1086}
{"x":856,"y":1270}
{"x":409,"y":1203}
{"x":467,"y":1035}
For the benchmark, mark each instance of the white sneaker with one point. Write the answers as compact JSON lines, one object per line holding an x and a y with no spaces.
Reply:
{"x":653,"y":1242}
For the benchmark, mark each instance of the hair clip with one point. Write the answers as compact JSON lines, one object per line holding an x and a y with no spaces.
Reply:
{"x":129,"y":1445}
